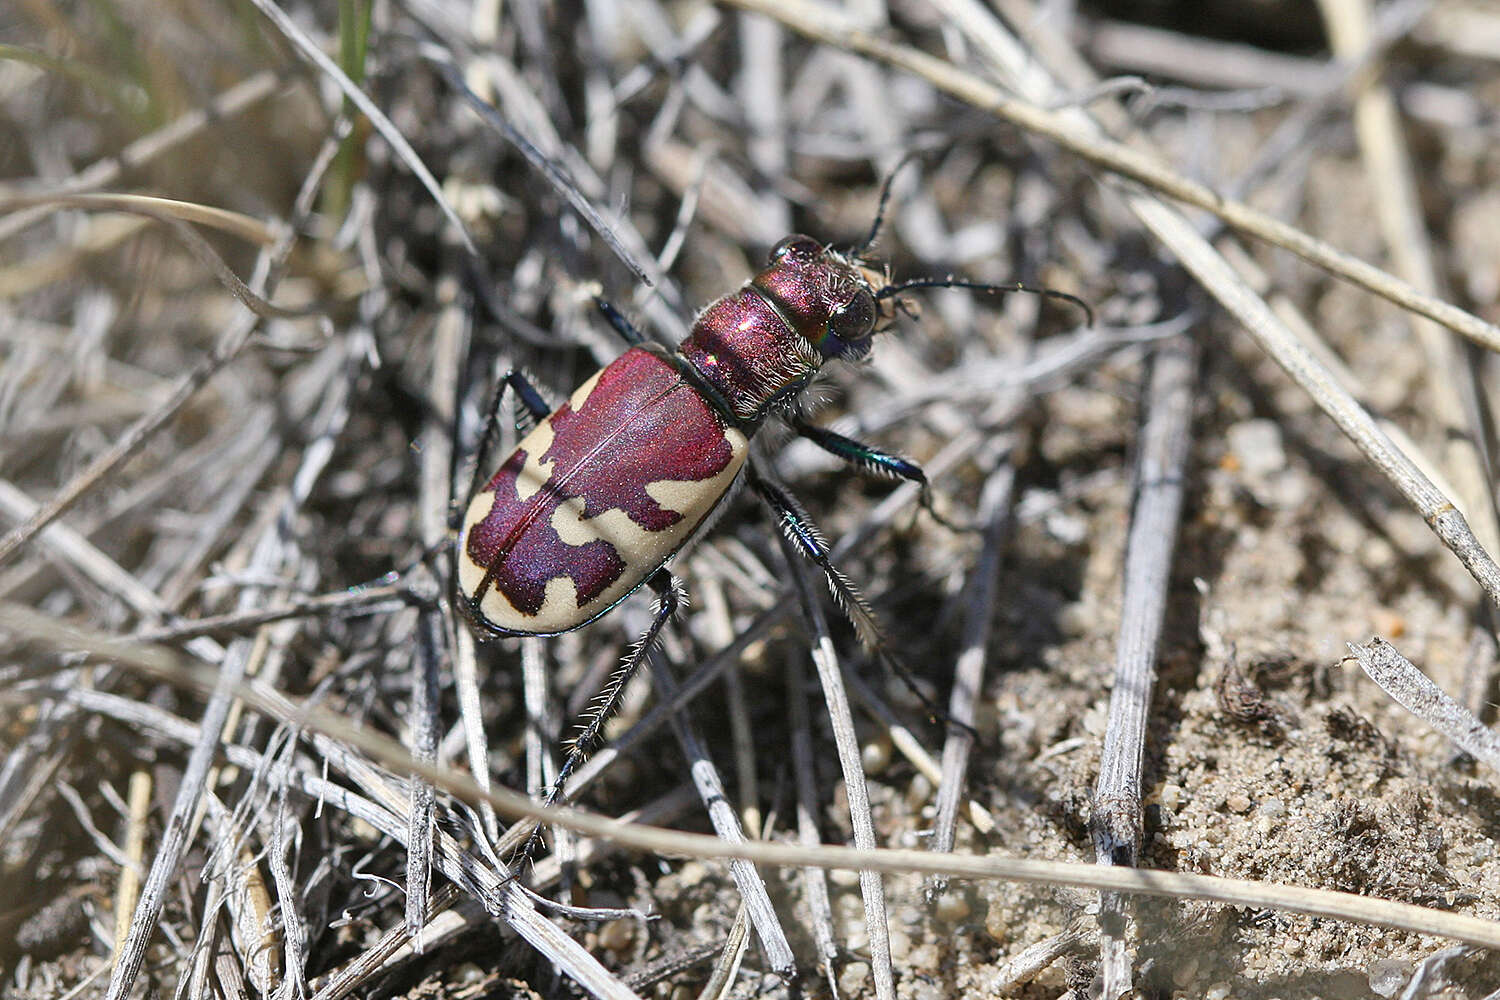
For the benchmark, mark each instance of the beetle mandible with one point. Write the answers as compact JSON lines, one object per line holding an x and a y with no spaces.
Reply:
{"x":609,"y":486}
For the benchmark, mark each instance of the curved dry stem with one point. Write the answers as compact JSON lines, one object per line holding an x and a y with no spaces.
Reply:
{"x":387,"y":128}
{"x":821,"y":25}
{"x":26,"y":624}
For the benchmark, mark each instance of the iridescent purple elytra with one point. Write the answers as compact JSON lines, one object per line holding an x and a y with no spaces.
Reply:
{"x":615,"y":481}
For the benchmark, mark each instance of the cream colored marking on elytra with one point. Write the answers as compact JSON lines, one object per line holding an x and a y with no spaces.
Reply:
{"x":532,"y":477}
{"x":559,"y":610}
{"x":642,"y":550}
{"x":534,"y":474}
{"x":567,"y":521}
{"x":470,"y":573}
{"x":581,"y":394}
{"x":558,"y":613}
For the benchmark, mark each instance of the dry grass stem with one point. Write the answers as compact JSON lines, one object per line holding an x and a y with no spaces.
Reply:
{"x":994,"y":513}
{"x":1160,"y":484}
{"x":705,"y":776}
{"x":1400,"y":679}
{"x":825,"y":659}
{"x":165,"y":664}
{"x":261,"y":266}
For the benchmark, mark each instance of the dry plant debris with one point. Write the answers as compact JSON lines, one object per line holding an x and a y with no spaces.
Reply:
{"x":260,"y":263}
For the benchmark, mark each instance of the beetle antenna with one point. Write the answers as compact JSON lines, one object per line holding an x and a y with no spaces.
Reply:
{"x":891,"y":290}
{"x":885,"y":197}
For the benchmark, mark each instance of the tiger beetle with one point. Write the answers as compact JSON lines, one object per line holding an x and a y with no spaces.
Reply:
{"x":609,"y":486}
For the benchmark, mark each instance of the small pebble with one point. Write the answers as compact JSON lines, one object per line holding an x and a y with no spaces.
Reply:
{"x":361,"y":830}
{"x":924,"y":956}
{"x":997,"y":925}
{"x":1074,"y":620}
{"x":1388,"y":975}
{"x":1388,"y":624}
{"x":1257,"y":445}
{"x":1238,"y":802}
{"x":1096,"y":719}
{"x":918,"y":791}
{"x":875,"y":756}
{"x":618,"y":935}
{"x":1273,"y":807}
{"x":1053,"y":978}
{"x":852,"y":979}
{"x":1066,"y":528}
{"x":468,"y":973}
{"x":951,"y":907}
{"x":1377,"y":553}
{"x":691,"y":873}
{"x":1219,"y":991}
{"x":1171,"y":796}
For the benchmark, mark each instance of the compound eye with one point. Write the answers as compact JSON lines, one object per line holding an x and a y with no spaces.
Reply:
{"x":805,"y":246}
{"x":856,"y":320}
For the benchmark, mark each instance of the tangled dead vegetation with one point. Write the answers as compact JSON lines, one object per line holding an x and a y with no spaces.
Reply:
{"x":261,"y":263}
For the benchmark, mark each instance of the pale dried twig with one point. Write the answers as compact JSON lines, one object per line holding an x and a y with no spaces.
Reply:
{"x":824,"y":26}
{"x":1417,"y":694}
{"x":1117,"y":820}
{"x":826,"y":660}
{"x":165,"y":664}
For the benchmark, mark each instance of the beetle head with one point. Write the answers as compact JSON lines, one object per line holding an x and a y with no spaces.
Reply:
{"x":848,"y":311}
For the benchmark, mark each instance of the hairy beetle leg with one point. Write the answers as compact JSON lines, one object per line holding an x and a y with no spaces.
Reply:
{"x":582,"y":746}
{"x":808,"y":542}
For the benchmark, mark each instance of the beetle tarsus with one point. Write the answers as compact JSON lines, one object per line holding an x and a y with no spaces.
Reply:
{"x":935,"y":712}
{"x":925,"y":500}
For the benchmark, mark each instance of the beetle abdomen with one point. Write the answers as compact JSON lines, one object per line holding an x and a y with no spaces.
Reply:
{"x":595,"y":499}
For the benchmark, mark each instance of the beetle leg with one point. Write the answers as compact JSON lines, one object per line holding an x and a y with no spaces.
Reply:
{"x":536,"y":409}
{"x":808,"y":542}
{"x":872,"y":459}
{"x":535,"y":406}
{"x":607,"y":701}
{"x":623,"y":326}
{"x":859,"y":454}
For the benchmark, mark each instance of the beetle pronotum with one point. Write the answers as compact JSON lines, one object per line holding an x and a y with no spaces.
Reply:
{"x":610,"y":485}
